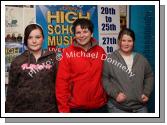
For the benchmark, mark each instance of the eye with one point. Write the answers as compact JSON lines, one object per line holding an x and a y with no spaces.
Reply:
{"x":86,"y":31}
{"x":38,"y":37}
{"x":30,"y":37}
{"x":77,"y":33}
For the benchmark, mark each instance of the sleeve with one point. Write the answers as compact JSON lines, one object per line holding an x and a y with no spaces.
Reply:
{"x":148,"y":79}
{"x":109,"y":84}
{"x":62,"y":84}
{"x":55,"y":65}
{"x":12,"y":86}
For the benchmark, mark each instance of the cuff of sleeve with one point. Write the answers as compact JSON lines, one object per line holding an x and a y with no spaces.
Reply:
{"x":114,"y":93}
{"x":147,"y":94}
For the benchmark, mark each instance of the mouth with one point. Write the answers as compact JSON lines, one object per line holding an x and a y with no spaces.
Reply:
{"x":81,"y":40}
{"x":34,"y":45}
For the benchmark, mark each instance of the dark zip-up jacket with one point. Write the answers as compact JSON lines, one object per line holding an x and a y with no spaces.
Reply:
{"x":31,"y":87}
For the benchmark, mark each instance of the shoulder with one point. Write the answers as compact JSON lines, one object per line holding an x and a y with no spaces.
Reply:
{"x":68,"y":49}
{"x":140,"y":56}
{"x":99,"y":49}
{"x":49,"y":53}
{"x":20,"y":58}
{"x":113,"y":54}
{"x":71,"y":47}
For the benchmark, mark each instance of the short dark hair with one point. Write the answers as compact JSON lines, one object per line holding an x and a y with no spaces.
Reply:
{"x":30,"y":28}
{"x":126,"y":31}
{"x":84,"y":23}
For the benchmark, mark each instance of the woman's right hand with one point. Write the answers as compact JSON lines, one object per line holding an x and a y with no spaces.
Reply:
{"x":121,"y":97}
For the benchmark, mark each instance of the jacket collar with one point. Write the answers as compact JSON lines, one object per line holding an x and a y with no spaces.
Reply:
{"x":28,"y":54}
{"x":44,"y":53}
{"x":135,"y":57}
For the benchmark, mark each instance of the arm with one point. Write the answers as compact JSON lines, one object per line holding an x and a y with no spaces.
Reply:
{"x":148,"y":80}
{"x":62,"y":85}
{"x":109,"y":83}
{"x":12,"y":86}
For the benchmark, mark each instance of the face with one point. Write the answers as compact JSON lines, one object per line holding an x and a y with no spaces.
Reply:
{"x":35,"y":40}
{"x":83,"y":36}
{"x":126,"y":44}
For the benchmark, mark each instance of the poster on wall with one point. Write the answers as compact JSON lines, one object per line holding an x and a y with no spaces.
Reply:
{"x":57,"y":21}
{"x":109,"y":27}
{"x":16,"y":19}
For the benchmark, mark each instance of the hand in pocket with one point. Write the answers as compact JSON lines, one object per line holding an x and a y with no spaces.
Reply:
{"x":121,"y":97}
{"x":144,"y":98}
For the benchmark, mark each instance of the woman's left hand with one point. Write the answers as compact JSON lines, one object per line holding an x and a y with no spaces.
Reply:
{"x":144,"y":98}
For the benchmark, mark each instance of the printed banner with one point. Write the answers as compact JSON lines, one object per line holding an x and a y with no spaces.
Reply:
{"x":109,"y":27}
{"x":57,"y":23}
{"x":16,"y":19}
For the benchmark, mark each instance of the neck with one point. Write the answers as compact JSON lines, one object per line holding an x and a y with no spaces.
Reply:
{"x":37,"y":54}
{"x":86,"y":47}
{"x":125,"y":54}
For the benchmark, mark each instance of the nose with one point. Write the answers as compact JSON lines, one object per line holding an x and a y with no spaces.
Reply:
{"x":34,"y":40}
{"x":126,"y":43}
{"x":82,"y":34}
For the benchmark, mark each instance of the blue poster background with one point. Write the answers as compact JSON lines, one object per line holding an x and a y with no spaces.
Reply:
{"x":41,"y":18}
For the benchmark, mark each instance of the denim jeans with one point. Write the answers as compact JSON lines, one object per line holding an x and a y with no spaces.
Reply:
{"x":113,"y":109}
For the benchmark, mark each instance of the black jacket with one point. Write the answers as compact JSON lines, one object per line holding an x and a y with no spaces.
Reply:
{"x":31,"y":87}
